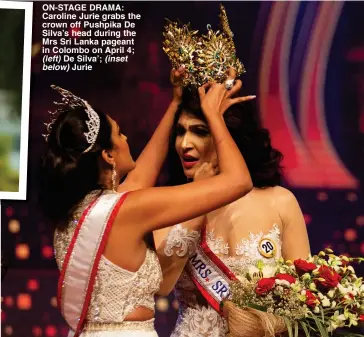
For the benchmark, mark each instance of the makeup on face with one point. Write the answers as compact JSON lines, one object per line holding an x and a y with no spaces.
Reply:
{"x":194,"y":143}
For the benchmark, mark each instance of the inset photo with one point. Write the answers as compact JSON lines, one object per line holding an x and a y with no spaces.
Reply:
{"x":15,"y":61}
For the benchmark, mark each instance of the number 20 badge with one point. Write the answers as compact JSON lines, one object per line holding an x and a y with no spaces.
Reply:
{"x":267,"y":248}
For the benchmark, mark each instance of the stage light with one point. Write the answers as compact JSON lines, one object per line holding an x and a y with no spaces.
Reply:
{"x":307,"y":218}
{"x":14,"y":226}
{"x":37,"y":331}
{"x":162,"y":304}
{"x":50,"y":331}
{"x":9,"y":211}
{"x":175,"y":304}
{"x":24,"y":301}
{"x":322,"y":196}
{"x":8,"y":330}
{"x":22,"y":251}
{"x":360,"y":220}
{"x":47,"y":252}
{"x":362,"y":247}
{"x":352,"y":197}
{"x":33,"y":285}
{"x":54,"y":301}
{"x":9,"y":301}
{"x":350,"y":235}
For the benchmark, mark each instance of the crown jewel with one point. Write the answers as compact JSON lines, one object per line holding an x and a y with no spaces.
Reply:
{"x":72,"y":101}
{"x":205,"y":57}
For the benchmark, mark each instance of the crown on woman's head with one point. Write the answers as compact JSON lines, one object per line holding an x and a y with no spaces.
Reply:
{"x":205,"y":57}
{"x":69,"y":100}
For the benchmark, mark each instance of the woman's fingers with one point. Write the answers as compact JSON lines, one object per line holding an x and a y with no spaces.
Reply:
{"x":234,"y":90}
{"x":242,"y":99}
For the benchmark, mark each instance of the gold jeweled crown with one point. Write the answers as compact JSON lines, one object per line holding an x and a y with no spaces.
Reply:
{"x":205,"y":57}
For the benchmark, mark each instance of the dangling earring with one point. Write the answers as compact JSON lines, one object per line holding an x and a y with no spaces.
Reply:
{"x":113,"y":177}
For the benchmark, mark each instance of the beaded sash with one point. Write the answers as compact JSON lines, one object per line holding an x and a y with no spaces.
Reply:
{"x":81,"y":262}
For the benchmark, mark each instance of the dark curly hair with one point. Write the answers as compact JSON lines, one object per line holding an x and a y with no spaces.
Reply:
{"x":263,"y":161}
{"x":67,"y":174}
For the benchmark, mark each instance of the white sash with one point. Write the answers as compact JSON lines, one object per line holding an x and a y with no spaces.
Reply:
{"x":210,"y":275}
{"x":82,"y":259}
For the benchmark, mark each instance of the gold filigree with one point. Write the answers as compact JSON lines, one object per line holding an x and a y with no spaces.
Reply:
{"x":182,"y":47}
{"x":205,"y":57}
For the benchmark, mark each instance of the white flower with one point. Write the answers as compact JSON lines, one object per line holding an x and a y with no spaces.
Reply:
{"x":316,"y":310}
{"x":351,"y":269}
{"x":331,"y":293}
{"x":333,"y":304}
{"x":333,"y":326}
{"x":253,"y":271}
{"x":353,"y":319}
{"x":342,"y":289}
{"x":280,"y":288}
{"x":268,"y":271}
{"x":325,"y":302}
{"x":320,"y":296}
{"x":303,"y":292}
{"x":341,"y":318}
{"x":283,"y":283}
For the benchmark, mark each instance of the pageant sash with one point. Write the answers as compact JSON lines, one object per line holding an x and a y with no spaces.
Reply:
{"x":210,"y":275}
{"x":82,"y":259}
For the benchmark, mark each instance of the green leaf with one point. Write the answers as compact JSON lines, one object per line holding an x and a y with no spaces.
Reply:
{"x":288,"y":325}
{"x":295,"y":329}
{"x":322,"y":330}
{"x":305,"y":329}
{"x":257,"y":307}
{"x":322,"y":316}
{"x":260,"y":265}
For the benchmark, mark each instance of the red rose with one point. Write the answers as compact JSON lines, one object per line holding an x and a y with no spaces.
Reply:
{"x":330,"y":277}
{"x":264,"y":285}
{"x":289,"y":278}
{"x":311,"y":299}
{"x":361,"y":318}
{"x":303,"y":266}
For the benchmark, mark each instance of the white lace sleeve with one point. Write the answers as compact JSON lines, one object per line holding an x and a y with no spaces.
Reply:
{"x":183,"y":239}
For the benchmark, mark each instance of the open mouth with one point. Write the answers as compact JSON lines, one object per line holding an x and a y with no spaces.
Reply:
{"x":189,"y":161}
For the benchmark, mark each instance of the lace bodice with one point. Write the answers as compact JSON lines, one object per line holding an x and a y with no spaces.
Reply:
{"x":117,"y":292}
{"x":196,"y":318}
{"x":250,"y":250}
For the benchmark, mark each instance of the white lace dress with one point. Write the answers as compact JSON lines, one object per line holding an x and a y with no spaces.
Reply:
{"x":117,"y":292}
{"x":196,"y":318}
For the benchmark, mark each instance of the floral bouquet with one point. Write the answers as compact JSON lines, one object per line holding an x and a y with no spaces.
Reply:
{"x":313,"y":297}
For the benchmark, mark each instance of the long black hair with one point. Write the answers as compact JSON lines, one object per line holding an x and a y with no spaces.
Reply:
{"x":254,"y":142}
{"x":67,"y":174}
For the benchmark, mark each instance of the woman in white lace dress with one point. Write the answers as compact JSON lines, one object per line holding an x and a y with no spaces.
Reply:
{"x":108,"y":275}
{"x":265,"y":224}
